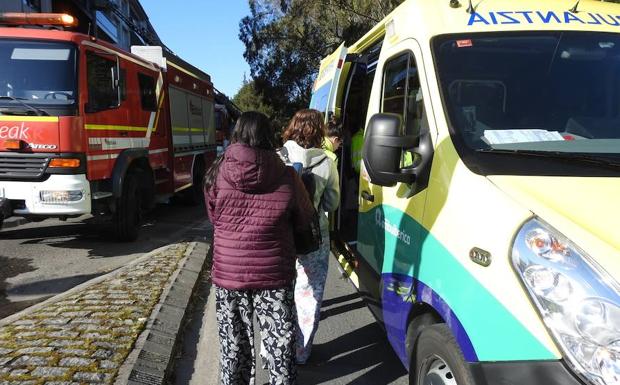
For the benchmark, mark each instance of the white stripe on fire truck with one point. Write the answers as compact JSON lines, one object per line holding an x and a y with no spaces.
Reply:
{"x":103,"y":157}
{"x":119,"y":143}
{"x":114,"y":156}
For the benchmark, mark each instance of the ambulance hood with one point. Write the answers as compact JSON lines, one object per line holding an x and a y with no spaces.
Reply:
{"x":590,"y":204}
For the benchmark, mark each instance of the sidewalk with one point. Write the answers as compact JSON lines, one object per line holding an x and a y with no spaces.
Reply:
{"x":349,"y":348}
{"x":86,"y":334}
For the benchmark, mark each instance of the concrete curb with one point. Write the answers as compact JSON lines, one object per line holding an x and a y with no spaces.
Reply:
{"x":153,"y":355}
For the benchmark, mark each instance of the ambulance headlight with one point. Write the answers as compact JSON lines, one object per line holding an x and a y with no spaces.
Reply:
{"x":61,"y":197}
{"x":578,"y":301}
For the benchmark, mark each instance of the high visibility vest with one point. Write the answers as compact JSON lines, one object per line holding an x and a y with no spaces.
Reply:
{"x":357,"y":144}
{"x":328,"y":147}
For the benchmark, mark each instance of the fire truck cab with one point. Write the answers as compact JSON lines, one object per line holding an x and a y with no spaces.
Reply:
{"x":88,"y":128}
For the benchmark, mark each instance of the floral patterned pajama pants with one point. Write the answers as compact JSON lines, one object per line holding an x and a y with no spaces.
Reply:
{"x":309,"y":288}
{"x":276,"y":316}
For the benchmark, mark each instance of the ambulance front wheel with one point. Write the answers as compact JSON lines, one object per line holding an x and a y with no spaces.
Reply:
{"x":438,"y":359}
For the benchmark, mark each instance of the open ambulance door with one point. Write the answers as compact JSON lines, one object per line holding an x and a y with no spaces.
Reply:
{"x":325,"y":87}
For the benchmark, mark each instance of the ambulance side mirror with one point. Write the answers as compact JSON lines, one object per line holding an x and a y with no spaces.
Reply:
{"x":383,"y":149}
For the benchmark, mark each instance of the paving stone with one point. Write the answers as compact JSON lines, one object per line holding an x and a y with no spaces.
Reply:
{"x":46,"y":314}
{"x":94,"y":296}
{"x":118,"y":296}
{"x":26,"y":334}
{"x":65,"y":343}
{"x":25,"y":322}
{"x":107,"y":314}
{"x":97,"y":336}
{"x":28,"y":343}
{"x":19,"y":372}
{"x":75,"y":314}
{"x":94,"y":308}
{"x":35,"y":350}
{"x":90,"y":377}
{"x":31,"y":361}
{"x":123,"y":330}
{"x":74,"y":352}
{"x":76,"y":362}
{"x":17,"y":382}
{"x":91,"y":321}
{"x":122,"y":302}
{"x":88,"y":327}
{"x":4,"y":370}
{"x":102,"y":354}
{"x":107,"y":364}
{"x":5,"y":360}
{"x":4,"y":352}
{"x":56,"y":321}
{"x":94,"y":302}
{"x":63,"y":334}
{"x":61,"y":383}
{"x":108,"y":345}
{"x":47,"y":372}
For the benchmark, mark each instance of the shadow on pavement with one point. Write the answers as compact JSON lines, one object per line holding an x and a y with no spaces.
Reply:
{"x":11,"y":267}
{"x":349,"y":353}
{"x":342,"y":309}
{"x":49,"y":286}
{"x":97,"y":238}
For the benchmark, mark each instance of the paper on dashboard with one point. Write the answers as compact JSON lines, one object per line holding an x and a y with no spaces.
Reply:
{"x":520,"y":136}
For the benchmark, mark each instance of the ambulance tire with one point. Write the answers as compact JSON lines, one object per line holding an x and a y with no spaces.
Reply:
{"x":128,"y":215}
{"x":438,"y":359}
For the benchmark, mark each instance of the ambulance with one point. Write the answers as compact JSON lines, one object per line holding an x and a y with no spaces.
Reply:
{"x":89,"y":128}
{"x":484,"y":227}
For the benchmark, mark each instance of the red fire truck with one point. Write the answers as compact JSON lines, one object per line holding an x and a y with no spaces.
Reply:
{"x":88,"y":128}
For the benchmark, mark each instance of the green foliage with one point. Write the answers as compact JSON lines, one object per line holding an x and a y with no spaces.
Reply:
{"x":285,"y":41}
{"x":249,"y":99}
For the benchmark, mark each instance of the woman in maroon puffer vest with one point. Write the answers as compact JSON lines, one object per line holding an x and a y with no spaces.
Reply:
{"x":254,"y":202}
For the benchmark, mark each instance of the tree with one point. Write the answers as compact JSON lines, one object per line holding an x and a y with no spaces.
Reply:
{"x":286,"y":39}
{"x":249,"y":99}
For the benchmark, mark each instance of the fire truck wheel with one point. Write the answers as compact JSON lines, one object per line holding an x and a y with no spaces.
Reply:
{"x":438,"y":359}
{"x":194,"y":196}
{"x":127,"y":217}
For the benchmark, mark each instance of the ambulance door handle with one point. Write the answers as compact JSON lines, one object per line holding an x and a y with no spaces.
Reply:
{"x":368,"y":196}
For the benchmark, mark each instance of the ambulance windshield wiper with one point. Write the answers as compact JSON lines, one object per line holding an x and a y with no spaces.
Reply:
{"x":602,"y":160}
{"x":36,"y":110}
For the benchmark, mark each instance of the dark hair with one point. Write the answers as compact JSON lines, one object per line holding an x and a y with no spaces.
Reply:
{"x":334,"y":127}
{"x":252,"y":129}
{"x":306,"y":129}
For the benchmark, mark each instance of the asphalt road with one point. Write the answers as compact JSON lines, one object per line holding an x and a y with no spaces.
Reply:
{"x":39,"y":260}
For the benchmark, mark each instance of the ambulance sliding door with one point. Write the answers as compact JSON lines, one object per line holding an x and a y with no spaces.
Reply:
{"x":326,"y":85}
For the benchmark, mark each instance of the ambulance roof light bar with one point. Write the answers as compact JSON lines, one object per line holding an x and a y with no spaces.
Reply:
{"x":59,"y":19}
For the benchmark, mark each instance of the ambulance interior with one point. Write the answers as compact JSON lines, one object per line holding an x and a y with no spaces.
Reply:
{"x":358,"y":76}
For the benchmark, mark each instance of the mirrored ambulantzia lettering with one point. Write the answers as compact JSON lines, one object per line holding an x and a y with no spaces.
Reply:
{"x":14,"y":132}
{"x":550,"y":17}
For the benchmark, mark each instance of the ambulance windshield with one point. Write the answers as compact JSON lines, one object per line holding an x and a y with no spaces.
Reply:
{"x":40,"y":73}
{"x":542,"y":92}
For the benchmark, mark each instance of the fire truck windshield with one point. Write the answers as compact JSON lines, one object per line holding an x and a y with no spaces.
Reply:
{"x":39,"y":73}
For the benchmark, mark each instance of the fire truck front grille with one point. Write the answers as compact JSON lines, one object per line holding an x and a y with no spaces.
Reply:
{"x":22,"y":166}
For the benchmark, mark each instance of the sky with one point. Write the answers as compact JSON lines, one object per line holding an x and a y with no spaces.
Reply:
{"x":205,"y":33}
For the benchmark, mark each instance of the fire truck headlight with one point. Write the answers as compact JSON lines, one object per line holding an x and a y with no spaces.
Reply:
{"x":61,"y":197}
{"x":579,"y":302}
